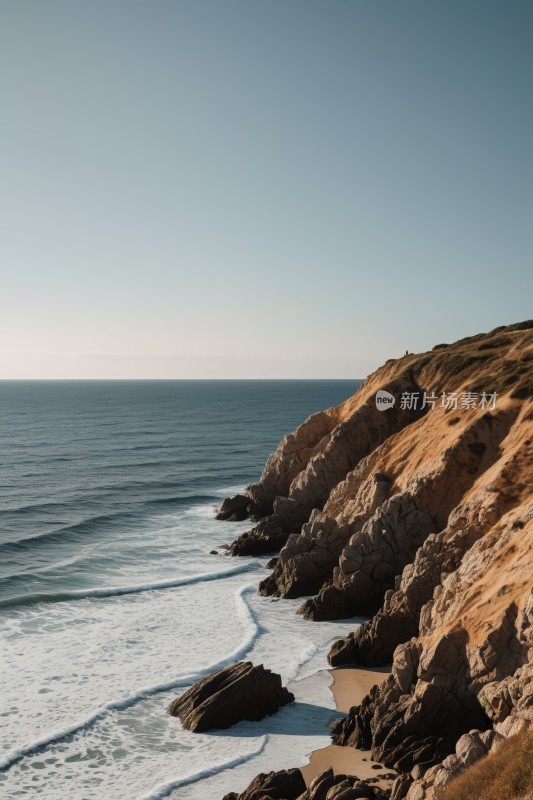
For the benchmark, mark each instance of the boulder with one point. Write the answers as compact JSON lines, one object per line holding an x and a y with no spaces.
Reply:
{"x":267,"y":537}
{"x":235,"y":508}
{"x":290,"y":785}
{"x":235,"y":693}
{"x":401,"y":786}
{"x":328,"y":786}
{"x":287,"y":784}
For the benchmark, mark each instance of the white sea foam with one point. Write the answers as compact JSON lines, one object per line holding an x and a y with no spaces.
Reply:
{"x":165,"y":789}
{"x":86,"y":681}
{"x":293,"y":734}
{"x":156,"y":746}
{"x":246,"y":614}
{"x":117,"y":591}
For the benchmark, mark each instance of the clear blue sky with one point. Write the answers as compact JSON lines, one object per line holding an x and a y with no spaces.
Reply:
{"x":260,"y":189}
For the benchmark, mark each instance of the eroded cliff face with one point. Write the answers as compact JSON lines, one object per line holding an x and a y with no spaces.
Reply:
{"x":422,"y":516}
{"x":312,"y":461}
{"x":505,"y":485}
{"x":475,"y":639}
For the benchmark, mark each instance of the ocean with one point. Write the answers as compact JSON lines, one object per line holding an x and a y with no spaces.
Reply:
{"x":111,"y":604}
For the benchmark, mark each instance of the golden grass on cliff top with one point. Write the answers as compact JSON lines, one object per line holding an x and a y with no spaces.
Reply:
{"x":506,"y":774}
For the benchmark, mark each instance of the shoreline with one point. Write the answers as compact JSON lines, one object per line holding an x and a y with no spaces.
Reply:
{"x":350,"y":684}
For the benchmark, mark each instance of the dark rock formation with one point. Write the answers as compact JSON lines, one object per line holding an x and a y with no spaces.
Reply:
{"x":470,"y":748}
{"x":342,"y":787}
{"x":401,"y":785}
{"x":267,"y":537}
{"x":235,"y":508}
{"x":230,"y":695}
{"x":288,"y":784}
{"x":447,"y":682}
{"x":384,"y":546}
{"x":373,"y":643}
{"x":404,"y":728}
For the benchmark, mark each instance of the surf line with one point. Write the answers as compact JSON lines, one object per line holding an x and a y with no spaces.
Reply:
{"x":255,"y":630}
{"x":119,"y":591}
{"x":165,"y":789}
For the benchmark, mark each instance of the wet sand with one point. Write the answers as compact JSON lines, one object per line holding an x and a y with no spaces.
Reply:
{"x":350,"y":685}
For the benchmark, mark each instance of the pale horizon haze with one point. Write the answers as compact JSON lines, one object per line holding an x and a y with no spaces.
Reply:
{"x":231,"y":189}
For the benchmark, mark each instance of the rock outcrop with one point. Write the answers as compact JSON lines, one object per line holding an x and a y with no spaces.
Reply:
{"x":470,"y":666}
{"x":327,"y":479}
{"x":422,"y":516}
{"x":485,"y":765}
{"x":350,"y":435}
{"x":235,"y":508}
{"x":469,"y":749}
{"x":289,"y":785}
{"x":373,"y":643}
{"x":235,"y":693}
{"x":268,"y":536}
{"x":342,"y":787}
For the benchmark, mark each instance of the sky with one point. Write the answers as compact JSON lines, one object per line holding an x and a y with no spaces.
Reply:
{"x":260,"y":189}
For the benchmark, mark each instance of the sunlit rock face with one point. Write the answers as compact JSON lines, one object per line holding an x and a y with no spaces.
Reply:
{"x":421,"y":516}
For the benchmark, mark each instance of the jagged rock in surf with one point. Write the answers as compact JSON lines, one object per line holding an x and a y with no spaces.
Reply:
{"x":235,"y":508}
{"x":239,"y":692}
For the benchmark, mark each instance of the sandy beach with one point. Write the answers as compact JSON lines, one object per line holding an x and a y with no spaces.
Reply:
{"x":350,"y":685}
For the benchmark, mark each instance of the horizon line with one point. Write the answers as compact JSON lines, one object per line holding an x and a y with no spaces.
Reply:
{"x":119,"y":380}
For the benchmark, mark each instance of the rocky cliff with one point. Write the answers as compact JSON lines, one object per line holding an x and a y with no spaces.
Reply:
{"x":422,"y":516}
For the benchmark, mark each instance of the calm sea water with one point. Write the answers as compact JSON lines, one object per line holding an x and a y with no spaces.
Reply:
{"x":110,"y":602}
